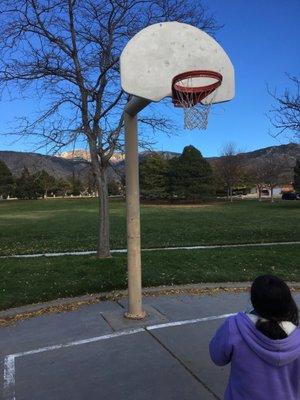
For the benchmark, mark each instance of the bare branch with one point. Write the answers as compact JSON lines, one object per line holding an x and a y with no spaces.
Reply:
{"x":285,"y":115}
{"x":66,"y":53}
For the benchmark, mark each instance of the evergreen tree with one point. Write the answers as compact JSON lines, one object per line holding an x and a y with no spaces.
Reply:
{"x":191,"y":175}
{"x":6,"y":181}
{"x":154,"y":177}
{"x":77,"y":187}
{"x":27,"y":187}
{"x":297,"y":176}
{"x":44,"y":182}
{"x":114,"y":188}
{"x":62,"y":187}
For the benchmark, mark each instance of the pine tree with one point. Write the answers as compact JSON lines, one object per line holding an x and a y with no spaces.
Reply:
{"x":191,"y":175}
{"x":154,"y":177}
{"x":114,"y":188}
{"x":77,"y":187}
{"x":44,"y":182}
{"x":27,"y":187}
{"x":6,"y":181}
{"x":297,"y":176}
{"x":62,"y":187}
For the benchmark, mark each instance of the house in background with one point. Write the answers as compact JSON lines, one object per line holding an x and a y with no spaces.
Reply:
{"x":277,"y":191}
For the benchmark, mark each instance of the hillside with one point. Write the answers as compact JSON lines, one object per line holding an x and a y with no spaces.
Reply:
{"x":56,"y":166}
{"x":61,"y":167}
{"x":290,"y":152}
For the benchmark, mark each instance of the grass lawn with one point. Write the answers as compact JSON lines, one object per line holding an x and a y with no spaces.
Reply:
{"x":56,"y":225}
{"x":30,"y":280}
{"x":71,"y":224}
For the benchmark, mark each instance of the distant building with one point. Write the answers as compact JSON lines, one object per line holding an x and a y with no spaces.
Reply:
{"x":277,"y":191}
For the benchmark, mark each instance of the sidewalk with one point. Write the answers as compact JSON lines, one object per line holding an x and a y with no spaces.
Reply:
{"x":93,"y":353}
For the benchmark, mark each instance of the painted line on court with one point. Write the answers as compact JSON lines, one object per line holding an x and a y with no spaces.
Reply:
{"x":186,"y":322}
{"x":200,"y":247}
{"x":9,"y":376}
{"x":79,"y":342}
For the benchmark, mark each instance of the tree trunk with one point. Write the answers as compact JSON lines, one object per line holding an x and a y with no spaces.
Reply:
{"x":259,"y":193}
{"x":272,"y":197}
{"x":227,"y":193}
{"x":231,"y":199}
{"x":103,"y":249}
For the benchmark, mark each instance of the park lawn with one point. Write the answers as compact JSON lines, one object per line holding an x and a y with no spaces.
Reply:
{"x":57,"y":225}
{"x":32,"y":280}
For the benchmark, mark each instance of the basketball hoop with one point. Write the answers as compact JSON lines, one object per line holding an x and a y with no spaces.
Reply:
{"x":189,"y":89}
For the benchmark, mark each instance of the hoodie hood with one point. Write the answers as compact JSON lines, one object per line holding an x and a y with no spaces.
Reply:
{"x":275,"y":352}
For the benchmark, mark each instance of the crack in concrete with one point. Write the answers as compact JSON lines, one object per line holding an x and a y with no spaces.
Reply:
{"x":182,"y":363}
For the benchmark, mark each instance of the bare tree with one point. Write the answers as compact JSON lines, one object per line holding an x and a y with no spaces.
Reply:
{"x":285,"y":115}
{"x":67,"y":53}
{"x":229,"y":167}
{"x":258,"y":174}
{"x":273,"y":168}
{"x":268,"y":172}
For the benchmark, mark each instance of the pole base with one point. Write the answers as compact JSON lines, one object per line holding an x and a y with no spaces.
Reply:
{"x":138,"y":316}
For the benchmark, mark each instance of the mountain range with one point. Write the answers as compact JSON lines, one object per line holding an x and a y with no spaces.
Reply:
{"x":64,"y":166}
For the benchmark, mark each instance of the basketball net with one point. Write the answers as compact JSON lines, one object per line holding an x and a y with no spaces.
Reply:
{"x":188,"y":94}
{"x":195,"y":116}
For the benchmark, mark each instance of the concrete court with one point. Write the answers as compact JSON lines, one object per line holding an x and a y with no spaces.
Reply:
{"x":166,"y":363}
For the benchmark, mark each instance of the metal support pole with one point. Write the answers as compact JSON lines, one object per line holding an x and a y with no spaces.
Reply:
{"x":135,"y":310}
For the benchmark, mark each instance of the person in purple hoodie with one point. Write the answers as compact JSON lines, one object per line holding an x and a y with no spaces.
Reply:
{"x":263,"y":346}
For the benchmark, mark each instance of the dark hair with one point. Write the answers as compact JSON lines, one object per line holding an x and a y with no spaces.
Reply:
{"x":272,"y":300}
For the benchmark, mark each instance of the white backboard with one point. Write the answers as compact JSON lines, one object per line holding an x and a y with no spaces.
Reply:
{"x":161,"y":51}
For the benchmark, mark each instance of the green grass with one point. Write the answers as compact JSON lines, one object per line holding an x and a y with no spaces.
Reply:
{"x":26,"y":281}
{"x":71,"y":224}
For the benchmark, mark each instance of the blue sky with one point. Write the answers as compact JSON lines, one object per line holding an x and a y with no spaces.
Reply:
{"x":262,"y":40}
